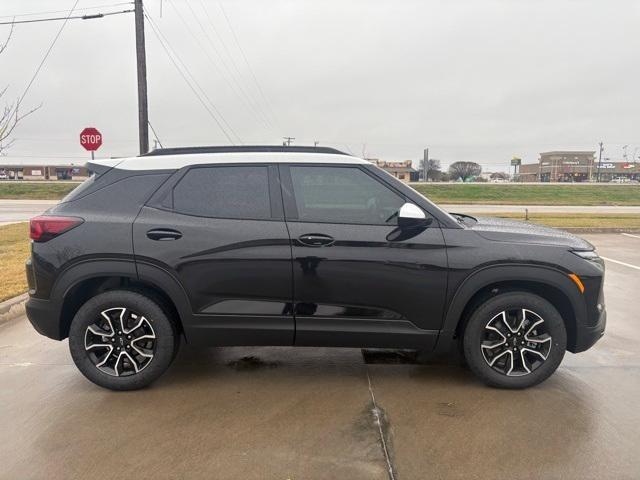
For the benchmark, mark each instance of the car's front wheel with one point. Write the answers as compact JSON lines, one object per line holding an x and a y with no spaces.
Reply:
{"x":122,"y":340}
{"x":514,"y":340}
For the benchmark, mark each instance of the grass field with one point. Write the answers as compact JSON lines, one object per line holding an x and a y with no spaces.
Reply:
{"x":513,"y":194}
{"x":35,"y":191}
{"x":498,"y":194}
{"x":14,"y":251}
{"x":575,"y":220}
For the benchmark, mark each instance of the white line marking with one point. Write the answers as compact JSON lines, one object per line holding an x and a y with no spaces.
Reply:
{"x":620,"y":263}
{"x":630,"y":235}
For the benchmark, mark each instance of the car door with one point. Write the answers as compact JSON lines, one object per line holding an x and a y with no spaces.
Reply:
{"x":359,"y":278}
{"x":220,"y":233}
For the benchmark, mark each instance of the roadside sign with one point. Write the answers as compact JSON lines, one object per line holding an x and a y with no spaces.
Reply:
{"x":90,"y":139}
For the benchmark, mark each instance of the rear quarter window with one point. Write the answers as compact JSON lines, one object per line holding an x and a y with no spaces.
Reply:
{"x":224,"y":192}
{"x":80,"y":189}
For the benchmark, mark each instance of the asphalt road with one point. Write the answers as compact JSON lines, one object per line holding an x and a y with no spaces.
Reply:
{"x":310,"y":413}
{"x":23,"y":210}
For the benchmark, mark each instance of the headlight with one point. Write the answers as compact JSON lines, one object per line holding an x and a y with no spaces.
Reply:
{"x":587,"y":254}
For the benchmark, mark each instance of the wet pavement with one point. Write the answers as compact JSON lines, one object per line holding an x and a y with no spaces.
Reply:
{"x":313,"y":413}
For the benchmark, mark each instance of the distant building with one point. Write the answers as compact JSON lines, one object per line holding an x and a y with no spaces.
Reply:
{"x":43,"y":172}
{"x":402,"y":170}
{"x":577,"y":166}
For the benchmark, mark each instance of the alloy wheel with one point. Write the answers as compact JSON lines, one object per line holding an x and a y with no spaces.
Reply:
{"x":121,"y":342}
{"x":515,"y":342}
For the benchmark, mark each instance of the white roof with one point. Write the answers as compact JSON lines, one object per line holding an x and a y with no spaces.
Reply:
{"x":174,"y":162}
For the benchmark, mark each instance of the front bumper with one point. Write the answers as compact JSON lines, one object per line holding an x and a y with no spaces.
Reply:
{"x":44,"y":315}
{"x":587,"y":336}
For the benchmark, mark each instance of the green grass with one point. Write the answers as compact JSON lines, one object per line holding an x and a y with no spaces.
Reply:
{"x":35,"y":191}
{"x":499,"y":194}
{"x":575,"y":220}
{"x":509,"y":194}
{"x":14,"y":251}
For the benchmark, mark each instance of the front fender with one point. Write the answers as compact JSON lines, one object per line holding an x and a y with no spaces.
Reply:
{"x":493,"y":274}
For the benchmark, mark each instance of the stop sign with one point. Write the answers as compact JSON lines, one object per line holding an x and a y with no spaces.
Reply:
{"x":90,"y":139}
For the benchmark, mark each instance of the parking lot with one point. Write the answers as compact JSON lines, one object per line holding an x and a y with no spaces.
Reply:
{"x":312,"y":413}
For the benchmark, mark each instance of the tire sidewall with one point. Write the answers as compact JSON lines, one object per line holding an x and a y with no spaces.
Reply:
{"x":514,"y":300}
{"x":89,"y":313}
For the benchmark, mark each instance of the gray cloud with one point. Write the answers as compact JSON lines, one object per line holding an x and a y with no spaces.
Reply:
{"x":473,"y":80}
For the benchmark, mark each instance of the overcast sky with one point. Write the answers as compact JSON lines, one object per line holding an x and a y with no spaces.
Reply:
{"x":472,"y":80}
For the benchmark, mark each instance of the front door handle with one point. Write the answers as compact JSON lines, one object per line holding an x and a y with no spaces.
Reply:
{"x":316,"y":240}
{"x":164,"y":234}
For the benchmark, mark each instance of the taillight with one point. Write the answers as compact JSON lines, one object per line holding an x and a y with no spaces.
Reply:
{"x":44,"y":228}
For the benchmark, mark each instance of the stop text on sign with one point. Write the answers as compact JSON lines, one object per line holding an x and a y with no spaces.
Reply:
{"x":90,"y":139}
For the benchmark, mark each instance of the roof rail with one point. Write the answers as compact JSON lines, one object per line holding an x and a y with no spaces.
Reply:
{"x":242,"y":148}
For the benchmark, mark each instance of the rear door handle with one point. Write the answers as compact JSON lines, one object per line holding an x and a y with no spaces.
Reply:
{"x":316,"y":240}
{"x":164,"y":234}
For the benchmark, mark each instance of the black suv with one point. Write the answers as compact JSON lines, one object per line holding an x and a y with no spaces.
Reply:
{"x":298,"y":246}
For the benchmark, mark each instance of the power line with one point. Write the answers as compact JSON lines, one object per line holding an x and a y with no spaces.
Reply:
{"x":154,"y":133}
{"x":162,"y":39}
{"x":51,"y":12}
{"x":253,"y":75}
{"x":248,"y":94}
{"x":230,"y":80}
{"x":46,"y":55}
{"x":77,"y":17}
{"x":171,"y":52}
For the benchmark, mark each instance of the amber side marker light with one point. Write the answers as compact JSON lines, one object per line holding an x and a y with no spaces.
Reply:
{"x":577,"y":281}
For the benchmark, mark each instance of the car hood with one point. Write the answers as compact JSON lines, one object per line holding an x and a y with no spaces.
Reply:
{"x":503,"y":230}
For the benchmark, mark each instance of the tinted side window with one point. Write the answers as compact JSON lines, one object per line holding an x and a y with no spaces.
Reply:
{"x":342,"y":195}
{"x":224,"y":192}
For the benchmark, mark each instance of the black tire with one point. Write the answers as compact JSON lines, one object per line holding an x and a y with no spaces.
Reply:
{"x":158,"y":327}
{"x":490,"y":314}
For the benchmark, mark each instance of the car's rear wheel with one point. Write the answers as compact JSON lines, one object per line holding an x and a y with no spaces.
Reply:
{"x":122,"y":340}
{"x":514,"y":340}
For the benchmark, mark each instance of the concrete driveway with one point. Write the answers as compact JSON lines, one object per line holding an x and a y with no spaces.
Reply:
{"x":313,"y":413}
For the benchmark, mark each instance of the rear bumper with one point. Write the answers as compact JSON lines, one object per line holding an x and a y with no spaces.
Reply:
{"x":587,"y":336}
{"x":44,"y":315}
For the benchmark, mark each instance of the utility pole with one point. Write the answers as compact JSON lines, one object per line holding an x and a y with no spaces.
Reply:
{"x":287,"y":141}
{"x":425,"y":167}
{"x":599,"y":162}
{"x":141,"y":60}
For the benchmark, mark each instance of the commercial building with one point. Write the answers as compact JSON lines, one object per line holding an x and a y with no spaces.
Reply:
{"x":577,"y":166}
{"x":402,"y":170}
{"x":43,"y":172}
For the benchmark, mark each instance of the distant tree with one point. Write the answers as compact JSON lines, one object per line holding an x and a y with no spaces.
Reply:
{"x":10,"y":114}
{"x":499,"y":176}
{"x":433,"y":169}
{"x":464,"y":171}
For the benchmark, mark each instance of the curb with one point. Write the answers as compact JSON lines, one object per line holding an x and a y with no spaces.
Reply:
{"x":13,"y":308}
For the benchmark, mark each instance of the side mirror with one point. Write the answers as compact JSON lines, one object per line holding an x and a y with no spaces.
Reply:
{"x":411,"y":215}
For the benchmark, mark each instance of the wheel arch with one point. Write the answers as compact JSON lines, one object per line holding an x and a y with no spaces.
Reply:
{"x":549,"y":283}
{"x":79,"y":283}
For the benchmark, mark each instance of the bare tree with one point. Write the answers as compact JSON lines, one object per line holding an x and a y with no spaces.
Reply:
{"x":433,"y":168}
{"x":10,"y":114}
{"x":464,"y":170}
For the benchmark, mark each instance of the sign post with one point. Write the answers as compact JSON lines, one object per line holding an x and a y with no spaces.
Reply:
{"x":91,"y":140}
